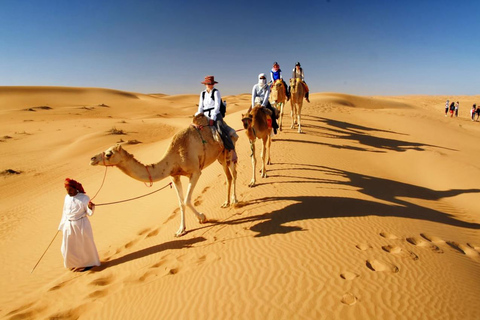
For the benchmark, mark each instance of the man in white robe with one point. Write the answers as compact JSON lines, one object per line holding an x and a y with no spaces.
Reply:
{"x":78,"y":248}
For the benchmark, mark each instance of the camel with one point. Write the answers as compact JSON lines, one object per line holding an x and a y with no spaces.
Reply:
{"x":297,"y":92}
{"x":255,"y":122}
{"x":277,"y":99}
{"x":190,"y":151}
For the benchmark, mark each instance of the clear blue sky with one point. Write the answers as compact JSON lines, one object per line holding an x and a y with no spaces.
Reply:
{"x":382,"y":47}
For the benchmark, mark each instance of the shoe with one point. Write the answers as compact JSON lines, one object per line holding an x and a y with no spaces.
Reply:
{"x":275,"y":130}
{"x":307,"y":100}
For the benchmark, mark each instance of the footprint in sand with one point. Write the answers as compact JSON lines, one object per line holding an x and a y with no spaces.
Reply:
{"x":147,"y":275}
{"x":103,"y":281}
{"x":349,"y":275}
{"x":98,"y":294}
{"x":153,"y":233}
{"x":433,"y":239}
{"x":156,"y":265}
{"x":142,"y":232}
{"x":419,"y":242}
{"x":170,"y":217}
{"x":59,"y":286}
{"x":387,"y":235}
{"x":465,"y":249}
{"x":378,"y":265}
{"x":349,"y":299}
{"x":131,"y":243}
{"x":69,"y":314}
{"x":363,"y":246}
{"x":399,"y":252}
{"x":474,"y":247}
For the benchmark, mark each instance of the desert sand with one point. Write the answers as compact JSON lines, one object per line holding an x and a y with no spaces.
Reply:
{"x":372,"y":213}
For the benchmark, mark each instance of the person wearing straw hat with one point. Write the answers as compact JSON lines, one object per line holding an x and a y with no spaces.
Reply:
{"x":209,"y":104}
{"x":78,"y":248}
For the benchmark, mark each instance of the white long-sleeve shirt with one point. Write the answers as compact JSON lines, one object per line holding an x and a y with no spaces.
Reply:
{"x":262,"y":93}
{"x":209,"y":106}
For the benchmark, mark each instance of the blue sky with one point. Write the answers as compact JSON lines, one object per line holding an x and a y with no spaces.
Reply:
{"x":357,"y":47}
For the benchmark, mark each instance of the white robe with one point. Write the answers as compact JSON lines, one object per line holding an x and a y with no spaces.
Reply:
{"x":78,"y":248}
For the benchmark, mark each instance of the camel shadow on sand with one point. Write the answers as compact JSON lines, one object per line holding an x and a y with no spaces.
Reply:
{"x":360,"y":135}
{"x":318,"y":207}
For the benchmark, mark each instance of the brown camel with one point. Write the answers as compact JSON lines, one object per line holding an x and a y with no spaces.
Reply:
{"x":191,"y":150}
{"x":255,"y":122}
{"x":297,"y":92}
{"x":277,"y":99}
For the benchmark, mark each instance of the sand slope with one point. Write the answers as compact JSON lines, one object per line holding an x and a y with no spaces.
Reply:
{"x":372,"y":213}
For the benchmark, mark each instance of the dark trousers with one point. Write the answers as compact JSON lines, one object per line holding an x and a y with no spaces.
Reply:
{"x":222,"y":129}
{"x":274,"y":116}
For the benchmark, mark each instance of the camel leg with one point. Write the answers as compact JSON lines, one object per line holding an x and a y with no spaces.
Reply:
{"x":178,"y":187}
{"x":269,"y":144}
{"x":299,"y":116}
{"x":228,"y":176}
{"x":264,"y":156}
{"x":281,"y":116}
{"x":292,"y":112}
{"x":233,"y":172}
{"x":188,"y":199}
{"x":182,"y":230}
{"x":254,"y":163}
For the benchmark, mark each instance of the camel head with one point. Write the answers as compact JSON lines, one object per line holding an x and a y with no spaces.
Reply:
{"x":278,"y":85}
{"x":110,"y":157}
{"x":247,"y":120}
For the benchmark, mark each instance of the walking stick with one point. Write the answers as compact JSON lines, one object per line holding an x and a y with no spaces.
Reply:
{"x":44,"y":252}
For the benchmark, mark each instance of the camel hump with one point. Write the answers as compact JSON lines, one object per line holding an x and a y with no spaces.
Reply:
{"x":200,"y":120}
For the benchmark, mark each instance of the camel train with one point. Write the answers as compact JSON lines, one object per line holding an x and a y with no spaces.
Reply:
{"x":190,"y":150}
{"x":199,"y":145}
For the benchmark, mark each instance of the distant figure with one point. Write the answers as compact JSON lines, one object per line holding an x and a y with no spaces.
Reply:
{"x":298,"y":73}
{"x":456,"y":109}
{"x":276,"y":74}
{"x":446,"y":107}
{"x":78,"y":248}
{"x":452,"y":108}
{"x":478,"y":113}
{"x":473,"y":111}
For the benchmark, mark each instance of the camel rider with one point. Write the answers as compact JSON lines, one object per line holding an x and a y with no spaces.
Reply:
{"x":276,"y":74}
{"x":260,"y":93}
{"x":298,"y":73}
{"x":211,"y":108}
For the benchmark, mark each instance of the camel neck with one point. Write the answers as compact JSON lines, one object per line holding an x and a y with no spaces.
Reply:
{"x":145,"y":173}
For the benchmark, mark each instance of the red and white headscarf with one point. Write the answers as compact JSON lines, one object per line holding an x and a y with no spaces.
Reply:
{"x":74,"y":184}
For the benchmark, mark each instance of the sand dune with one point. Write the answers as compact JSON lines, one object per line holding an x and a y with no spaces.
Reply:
{"x":372,"y":213}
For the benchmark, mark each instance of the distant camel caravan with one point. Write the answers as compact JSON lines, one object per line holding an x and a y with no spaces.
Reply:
{"x":190,"y":150}
{"x":277,"y":99}
{"x":255,"y":122}
{"x":297,"y":92}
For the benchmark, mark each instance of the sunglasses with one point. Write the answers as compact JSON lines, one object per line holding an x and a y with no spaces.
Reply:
{"x":262,"y":77}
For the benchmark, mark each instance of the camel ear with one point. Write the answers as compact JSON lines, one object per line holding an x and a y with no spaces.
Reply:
{"x":118,"y":147}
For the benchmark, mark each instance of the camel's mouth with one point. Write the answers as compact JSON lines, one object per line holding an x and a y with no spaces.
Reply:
{"x":94,"y":161}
